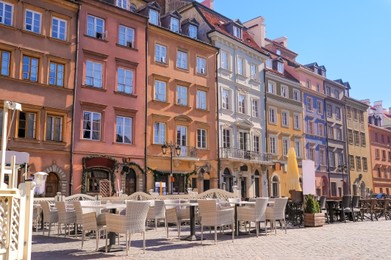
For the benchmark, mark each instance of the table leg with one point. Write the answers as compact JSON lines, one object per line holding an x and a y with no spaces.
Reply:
{"x":192,"y":236}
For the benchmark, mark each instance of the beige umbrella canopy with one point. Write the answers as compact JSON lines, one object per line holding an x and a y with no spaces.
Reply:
{"x":293,"y":182}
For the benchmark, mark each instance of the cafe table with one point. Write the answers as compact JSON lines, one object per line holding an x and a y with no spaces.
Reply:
{"x":237,"y":204}
{"x":192,"y":205}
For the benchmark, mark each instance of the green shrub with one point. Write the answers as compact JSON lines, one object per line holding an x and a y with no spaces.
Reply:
{"x":311,"y":205}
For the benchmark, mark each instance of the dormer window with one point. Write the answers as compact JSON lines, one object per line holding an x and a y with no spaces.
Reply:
{"x":269,"y":63}
{"x":278,"y":52}
{"x":153,"y":17}
{"x":193,"y":31}
{"x":280,"y":67}
{"x":237,"y":32}
{"x":174,"y":24}
{"x":122,"y":4}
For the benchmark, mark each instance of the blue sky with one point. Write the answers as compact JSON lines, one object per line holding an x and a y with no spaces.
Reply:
{"x":351,"y":38}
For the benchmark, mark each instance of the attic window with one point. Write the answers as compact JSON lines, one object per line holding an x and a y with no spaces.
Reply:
{"x":237,"y":32}
{"x":153,"y":17}
{"x":193,"y":31}
{"x":174,"y":24}
{"x":278,"y":52}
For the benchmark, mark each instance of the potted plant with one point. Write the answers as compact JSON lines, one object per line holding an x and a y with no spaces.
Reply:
{"x":312,"y":213}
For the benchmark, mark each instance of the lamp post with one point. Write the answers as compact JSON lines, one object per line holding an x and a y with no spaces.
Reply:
{"x":177,"y":149}
{"x":342,"y":168}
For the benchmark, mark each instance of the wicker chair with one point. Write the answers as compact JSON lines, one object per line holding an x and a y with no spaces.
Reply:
{"x":211,"y":216}
{"x":176,"y":214}
{"x":89,"y":223}
{"x":65,"y":217}
{"x":133,"y":222}
{"x":345,"y":208}
{"x":277,"y":212}
{"x":49,"y":215}
{"x":157,"y":212}
{"x":254,"y":214}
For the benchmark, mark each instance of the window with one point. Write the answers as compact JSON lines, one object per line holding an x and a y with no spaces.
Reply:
{"x":201,"y":65}
{"x":160,"y":90}
{"x":95,"y":27}
{"x":350,"y":136}
{"x":193,"y":31}
{"x":126,"y":36}
{"x":308,"y":83}
{"x":333,"y":189}
{"x":355,"y":114}
{"x":237,"y":32}
{"x":224,"y":60}
{"x":255,"y":109}
{"x":319,"y":106}
{"x":378,"y":172}
{"x":6,"y":13}
{"x":201,"y":138}
{"x":364,"y":164}
{"x":311,"y":152}
{"x":336,"y":93}
{"x":125,"y":80}
{"x":278,"y":51}
{"x":272,"y":115}
{"x":181,"y":135}
{"x":296,"y":95}
{"x":383,"y":158}
{"x":256,"y":143}
{"x":226,"y":138}
{"x":338,"y":134}
{"x":91,"y":125}
{"x":159,"y":133}
{"x":54,"y":128}
{"x":181,"y":94}
{"x":358,"y":163}
{"x":330,"y":131}
{"x":340,"y":158}
{"x":329,"y":110}
{"x":309,"y":104}
{"x":94,"y":74}
{"x":124,"y":130}
{"x":269,"y":63}
{"x":285,"y":118}
{"x":32,"y":21}
{"x":296,"y":121}
{"x":351,"y":162}
{"x":280,"y":67}
{"x":285,"y":146}
{"x":271,"y":87}
{"x":320,"y":129}
{"x":318,"y":87}
{"x":153,"y":17}
{"x":284,"y":91}
{"x":322,"y":156}
{"x":273,"y":144}
{"x":310,"y":127}
{"x":298,"y":148}
{"x":30,"y":68}
{"x":242,"y":104}
{"x":174,"y":24}
{"x":376,"y":138}
{"x":328,"y":91}
{"x":356,"y":138}
{"x":338,"y":113}
{"x":5,"y":62}
{"x":56,"y":74}
{"x":225,"y":99}
{"x":27,"y":125}
{"x":332,"y":158}
{"x":240,"y":64}
{"x":363,"y":141}
{"x":348,"y":112}
{"x":377,"y":154}
{"x":253,"y":71}
{"x":181,"y":60}
{"x":59,"y":28}
{"x":160,"y":53}
{"x":361,"y":116}
{"x":243,"y":141}
{"x":122,"y":3}
{"x":201,"y":99}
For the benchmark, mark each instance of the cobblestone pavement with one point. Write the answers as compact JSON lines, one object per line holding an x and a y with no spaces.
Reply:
{"x":352,"y":240}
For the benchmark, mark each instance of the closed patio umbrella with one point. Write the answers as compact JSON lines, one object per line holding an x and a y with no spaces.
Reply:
{"x":293,"y":182}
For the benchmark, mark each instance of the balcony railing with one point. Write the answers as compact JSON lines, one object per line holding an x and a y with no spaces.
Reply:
{"x":242,"y":154}
{"x":187,"y":151}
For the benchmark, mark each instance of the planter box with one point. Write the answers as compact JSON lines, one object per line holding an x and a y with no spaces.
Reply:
{"x":314,"y":219}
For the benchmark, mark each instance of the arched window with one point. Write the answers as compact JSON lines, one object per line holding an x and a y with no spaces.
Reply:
{"x":228,"y":179}
{"x":275,"y":187}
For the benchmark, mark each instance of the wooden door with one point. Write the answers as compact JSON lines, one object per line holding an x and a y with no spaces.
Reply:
{"x":52,"y":184}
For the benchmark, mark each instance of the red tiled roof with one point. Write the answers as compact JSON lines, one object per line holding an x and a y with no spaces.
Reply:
{"x":218,"y":23}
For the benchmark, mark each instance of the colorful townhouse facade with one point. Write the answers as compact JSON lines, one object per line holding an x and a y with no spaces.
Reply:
{"x":38,"y":59}
{"x":109,"y":104}
{"x":181,"y":104}
{"x":284,"y":115}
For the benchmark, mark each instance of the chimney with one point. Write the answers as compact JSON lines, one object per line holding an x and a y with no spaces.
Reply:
{"x":283,"y":41}
{"x":208,"y":3}
{"x":256,"y":28}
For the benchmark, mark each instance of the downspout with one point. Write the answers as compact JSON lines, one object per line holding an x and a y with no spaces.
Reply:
{"x":218,"y":123}
{"x":74,"y":97}
{"x":346,"y":160}
{"x":327,"y":146}
{"x":264,"y":116}
{"x":146,"y":107}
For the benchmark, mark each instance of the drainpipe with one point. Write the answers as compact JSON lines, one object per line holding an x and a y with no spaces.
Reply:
{"x":218,"y":122}
{"x":146,"y":107}
{"x":346,"y":160}
{"x":266,"y":136}
{"x":327,"y":146}
{"x":74,"y":98}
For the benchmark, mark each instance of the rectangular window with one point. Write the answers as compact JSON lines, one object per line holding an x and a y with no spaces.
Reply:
{"x":226,"y":138}
{"x":338,"y":134}
{"x":361,"y":116}
{"x":389,"y":156}
{"x":193,"y":31}
{"x":377,"y":154}
{"x":328,"y":91}
{"x":348,"y":112}
{"x":5,"y":62}
{"x":224,"y":60}
{"x":32,"y":21}
{"x":330,"y":131}
{"x":54,"y":128}
{"x":95,"y":27}
{"x":285,"y":146}
{"x":269,"y":63}
{"x":243,"y":141}
{"x":1,"y":121}
{"x":358,"y":163}
{"x":333,"y":189}
{"x":6,"y":13}
{"x":298,"y":148}
{"x":125,"y":80}
{"x":122,"y":4}
{"x":159,"y":133}
{"x":126,"y":36}
{"x":181,"y":135}
{"x":273,"y":144}
{"x":92,"y":125}
{"x":308,"y":83}
{"x":296,"y":95}
{"x":271,"y":87}
{"x":153,"y":17}
{"x":280,"y":67}
{"x":30,"y":68}
{"x":59,"y":28}
{"x":236,"y":32}
{"x":284,"y":91}
{"x":241,"y":104}
{"x":201,"y":65}
{"x":160,"y":91}
{"x":174,"y":24}
{"x":364,"y":164}
{"x":363,"y":141}
{"x":181,"y":60}
{"x":332,"y":158}
{"x":311,"y":153}
{"x":338,"y":113}
{"x":272,"y":115}
{"x":253,"y":71}
{"x":160,"y":53}
{"x":351,"y":162}
{"x":201,"y":138}
{"x":56,"y":74}
{"x":27,"y":125}
{"x":340,"y":158}
{"x":310,"y":127}
{"x":285,"y":118}
{"x":256,"y":143}
{"x":240,"y":64}
{"x":322,"y":156}
{"x":320,"y":129}
{"x":383,"y":158}
{"x":319,"y":106}
{"x":94,"y":74}
{"x":201,"y":99}
{"x":255,"y":108}
{"x":350,"y":136}
{"x":355,"y":114}
{"x":336,"y":93}
{"x":123,"y":130}
{"x":296,"y":121}
{"x":309,"y":104}
{"x":225,"y":99}
{"x":329,"y":110}
{"x":181,"y":94}
{"x":356,"y":138}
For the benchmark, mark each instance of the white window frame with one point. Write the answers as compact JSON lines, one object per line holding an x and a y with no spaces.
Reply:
{"x":94,"y":29}
{"x":92,"y":129}
{"x":269,"y":63}
{"x":225,"y":101}
{"x":253,"y":71}
{"x":160,"y":53}
{"x":240,"y":66}
{"x":320,"y":129}
{"x":61,"y":35}
{"x":181,"y":135}
{"x":125,"y":82}
{"x":296,"y":121}
{"x":237,"y":31}
{"x":338,"y":113}
{"x":273,"y":144}
{"x":255,"y":107}
{"x":273,"y":115}
{"x":51,"y":132}
{"x":160,"y":91}
{"x":298,"y":148}
{"x":193,"y":31}
{"x":181,"y":95}
{"x":201,"y":65}
{"x":271,"y":87}
{"x":33,"y":24}
{"x":159,"y":132}
{"x":329,"y":110}
{"x":285,"y":118}
{"x":296,"y":95}
{"x":122,"y":4}
{"x":224,"y":60}
{"x":319,"y":107}
{"x":174,"y":24}
{"x":126,"y":36}
{"x":280,"y":67}
{"x":285,"y":145}
{"x":226,"y":138}
{"x":122,"y":128}
{"x":309,"y":104}
{"x":241,"y":103}
{"x":201,"y":99}
{"x":256,"y":143}
{"x":153,"y":16}
{"x":96,"y":68}
{"x":182,"y":60}
{"x":201,"y":138}
{"x":284,"y":91}
{"x":3,"y":15}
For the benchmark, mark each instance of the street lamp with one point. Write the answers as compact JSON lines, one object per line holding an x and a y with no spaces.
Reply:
{"x":342,"y":168}
{"x":177,"y":149}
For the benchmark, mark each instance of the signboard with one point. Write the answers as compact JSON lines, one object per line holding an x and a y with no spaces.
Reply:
{"x":308,"y":177}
